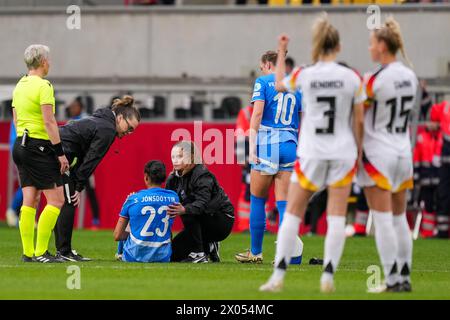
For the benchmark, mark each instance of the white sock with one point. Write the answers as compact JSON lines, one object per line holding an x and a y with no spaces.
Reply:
{"x":405,"y":246}
{"x":286,"y":242}
{"x":298,"y":248}
{"x":386,"y":244}
{"x":334,"y":245}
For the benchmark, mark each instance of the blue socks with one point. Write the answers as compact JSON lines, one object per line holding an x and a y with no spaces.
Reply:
{"x":257,"y":223}
{"x":281,"y":205}
{"x":17,"y":201}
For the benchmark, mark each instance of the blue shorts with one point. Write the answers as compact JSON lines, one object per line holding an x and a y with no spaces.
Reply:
{"x":276,"y":157}
{"x":133,"y":252}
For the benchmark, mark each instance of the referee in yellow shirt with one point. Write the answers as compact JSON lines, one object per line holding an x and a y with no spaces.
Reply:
{"x":38,"y":154}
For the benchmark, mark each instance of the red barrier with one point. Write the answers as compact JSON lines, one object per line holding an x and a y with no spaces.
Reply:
{"x":4,"y":158}
{"x":121,"y":171}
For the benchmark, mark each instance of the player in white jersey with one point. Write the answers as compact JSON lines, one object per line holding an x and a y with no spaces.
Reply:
{"x":388,"y":169}
{"x":330,"y":142}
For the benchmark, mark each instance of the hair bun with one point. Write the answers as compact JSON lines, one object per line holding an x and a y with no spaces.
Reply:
{"x":125,"y":101}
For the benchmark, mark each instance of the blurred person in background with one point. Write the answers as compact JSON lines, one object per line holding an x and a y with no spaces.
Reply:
{"x":86,"y":142}
{"x":242,"y":144}
{"x":426,"y":178}
{"x":290,"y":65}
{"x":425,"y":102}
{"x":440,"y":115}
{"x":12,"y":213}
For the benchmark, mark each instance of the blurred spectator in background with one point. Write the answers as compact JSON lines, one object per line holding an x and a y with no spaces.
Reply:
{"x":76,"y":111}
{"x":361,"y":212}
{"x":12,"y":213}
{"x":242,"y":145}
{"x":425,"y":102}
{"x":149,"y":2}
{"x":440,"y":115}
{"x":290,"y":65}
{"x":426,"y":178}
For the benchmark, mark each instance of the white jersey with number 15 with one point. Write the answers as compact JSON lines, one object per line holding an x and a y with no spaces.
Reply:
{"x":392,"y":93}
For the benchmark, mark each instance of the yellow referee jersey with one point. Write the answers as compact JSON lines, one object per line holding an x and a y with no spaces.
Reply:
{"x":30,"y":94}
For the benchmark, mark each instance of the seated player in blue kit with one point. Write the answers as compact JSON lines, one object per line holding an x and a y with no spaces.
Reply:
{"x":149,"y":225}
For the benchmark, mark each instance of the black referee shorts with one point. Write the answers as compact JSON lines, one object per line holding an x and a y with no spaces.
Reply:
{"x":37,"y":164}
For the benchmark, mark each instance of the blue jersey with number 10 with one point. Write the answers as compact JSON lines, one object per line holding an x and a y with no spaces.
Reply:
{"x":280,"y":108}
{"x":150,"y":225}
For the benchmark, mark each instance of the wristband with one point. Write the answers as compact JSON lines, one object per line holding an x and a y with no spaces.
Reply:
{"x":58,"y":149}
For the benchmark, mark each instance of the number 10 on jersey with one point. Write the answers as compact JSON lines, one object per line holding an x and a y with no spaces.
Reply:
{"x":285,"y":101}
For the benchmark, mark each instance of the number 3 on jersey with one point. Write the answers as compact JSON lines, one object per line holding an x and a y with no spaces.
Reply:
{"x":330,"y":114}
{"x":285,"y":101}
{"x":145,"y":230}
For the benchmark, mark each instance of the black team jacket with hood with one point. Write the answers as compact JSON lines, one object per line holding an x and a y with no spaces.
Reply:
{"x":88,"y":140}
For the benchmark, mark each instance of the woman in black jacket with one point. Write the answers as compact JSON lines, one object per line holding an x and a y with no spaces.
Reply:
{"x":205,"y":209}
{"x":86,"y":142}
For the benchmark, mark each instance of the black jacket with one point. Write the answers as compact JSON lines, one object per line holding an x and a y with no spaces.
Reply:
{"x":88,"y":139}
{"x":200,"y":193}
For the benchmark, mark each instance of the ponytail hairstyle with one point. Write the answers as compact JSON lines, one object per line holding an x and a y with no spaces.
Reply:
{"x":155,"y":170}
{"x":391,"y":35}
{"x":325,"y":37}
{"x":126,"y":108}
{"x":190,"y":150}
{"x":269,"y":56}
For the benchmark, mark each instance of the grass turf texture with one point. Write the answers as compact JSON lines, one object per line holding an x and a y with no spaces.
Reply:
{"x":105,"y":278}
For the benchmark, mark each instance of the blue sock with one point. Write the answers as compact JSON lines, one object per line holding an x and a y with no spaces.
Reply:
{"x":281,"y":205}
{"x":257,"y":223}
{"x":17,"y":201}
{"x":120,"y":247}
{"x":296,"y":260}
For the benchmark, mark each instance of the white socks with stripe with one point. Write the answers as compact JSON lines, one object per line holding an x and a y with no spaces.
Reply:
{"x":286,"y":244}
{"x":386,"y":241}
{"x":334,"y":246}
{"x":404,"y":246}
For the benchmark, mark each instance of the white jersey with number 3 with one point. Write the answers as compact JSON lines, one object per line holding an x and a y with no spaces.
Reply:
{"x":329,"y":92}
{"x":392,"y":93}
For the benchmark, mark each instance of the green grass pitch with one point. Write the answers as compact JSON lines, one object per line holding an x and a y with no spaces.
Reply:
{"x":105,"y":278}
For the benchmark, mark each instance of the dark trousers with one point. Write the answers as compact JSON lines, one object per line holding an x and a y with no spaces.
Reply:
{"x":198,"y":232}
{"x":64,"y":225}
{"x":443,"y":194}
{"x":64,"y":229}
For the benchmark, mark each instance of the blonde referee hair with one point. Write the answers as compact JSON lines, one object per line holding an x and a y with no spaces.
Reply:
{"x":391,"y":35}
{"x":325,"y":37}
{"x":35,"y":54}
